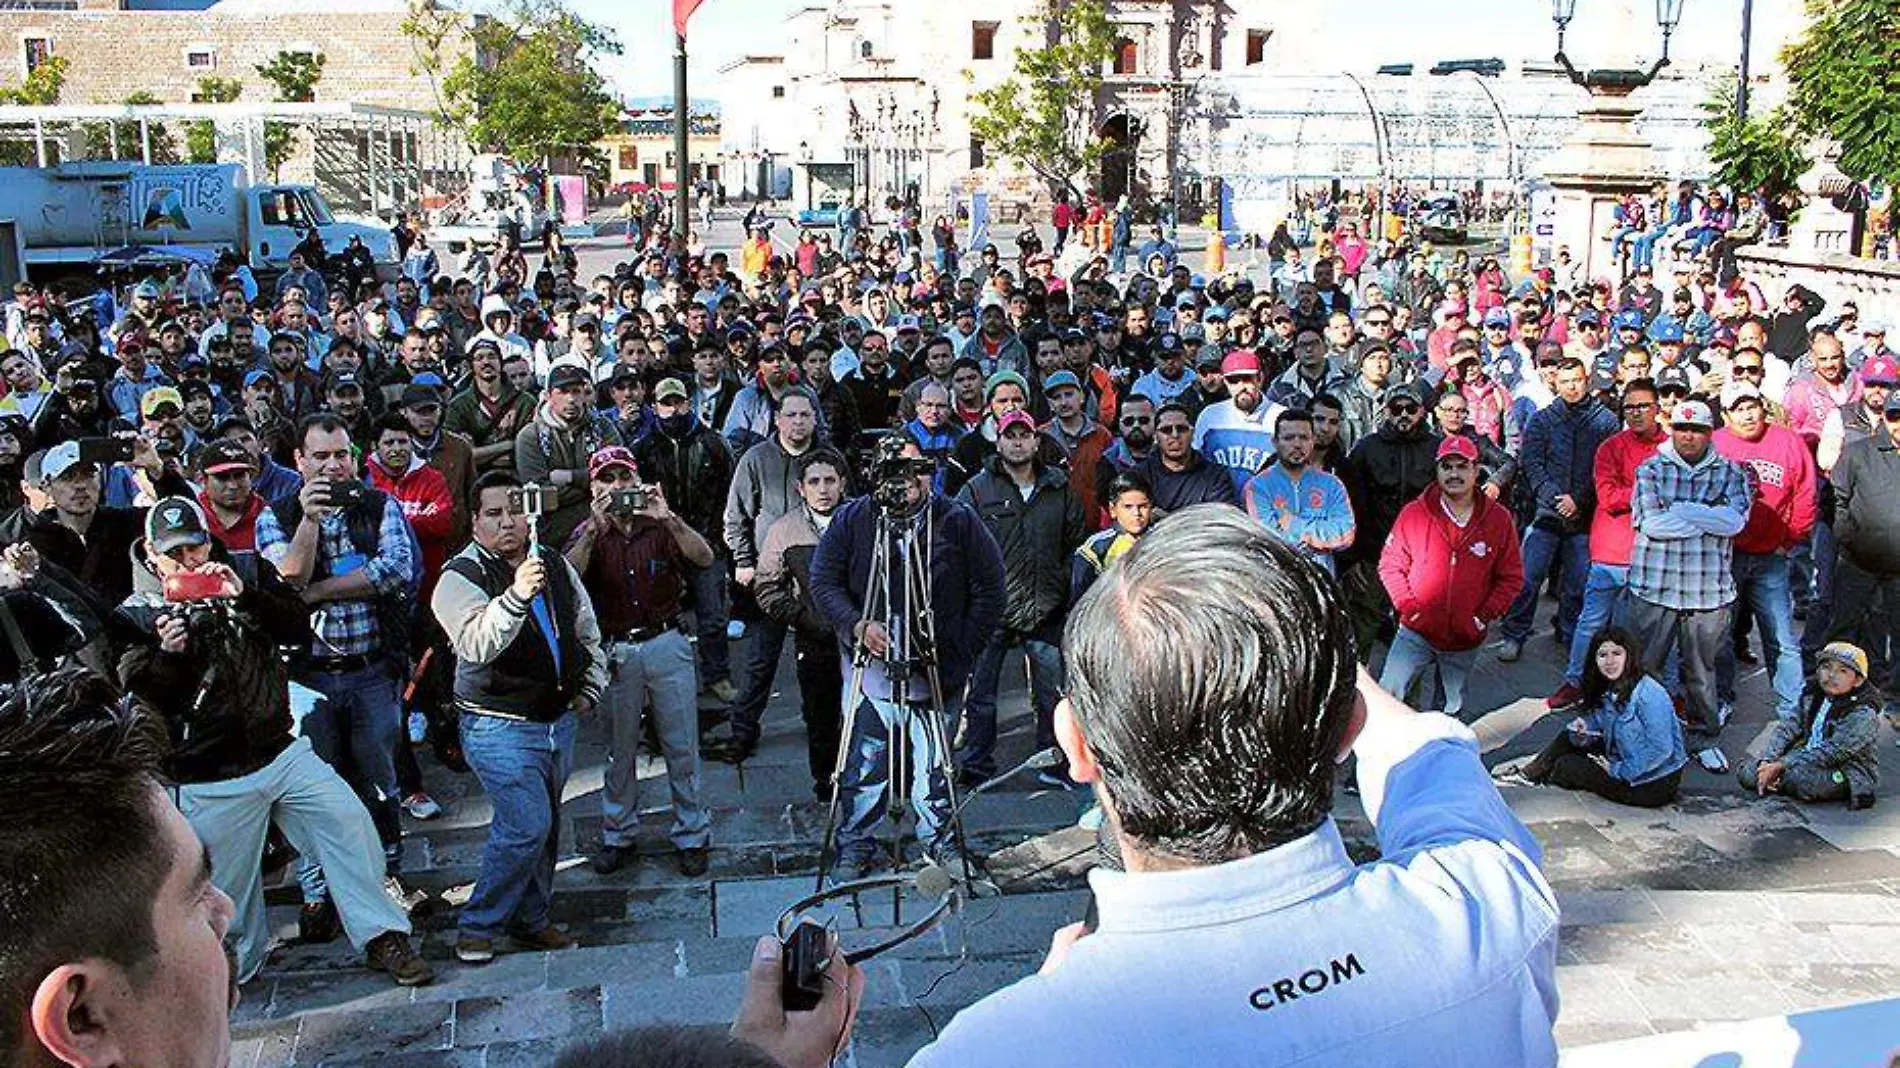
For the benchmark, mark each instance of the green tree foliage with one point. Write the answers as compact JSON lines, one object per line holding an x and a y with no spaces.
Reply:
{"x":1844,"y":83}
{"x":1763,"y":152}
{"x":528,"y":89}
{"x":201,"y":138}
{"x":101,"y":137}
{"x":39,"y":89}
{"x":1043,"y":115}
{"x":294,"y":75}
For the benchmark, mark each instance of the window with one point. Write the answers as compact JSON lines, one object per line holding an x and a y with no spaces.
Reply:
{"x":652,"y":172}
{"x":983,"y":40}
{"x":778,"y":92}
{"x":35,"y":51}
{"x":1257,"y":46}
{"x":1127,"y":57}
{"x":629,"y":157}
{"x":976,"y":152}
{"x":201,"y":59}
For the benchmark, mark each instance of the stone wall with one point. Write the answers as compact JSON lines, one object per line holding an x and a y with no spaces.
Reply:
{"x":111,"y":54}
{"x":1873,"y":285}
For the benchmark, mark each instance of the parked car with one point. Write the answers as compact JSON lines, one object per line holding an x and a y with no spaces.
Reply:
{"x":824,"y":214}
{"x":1441,"y":217}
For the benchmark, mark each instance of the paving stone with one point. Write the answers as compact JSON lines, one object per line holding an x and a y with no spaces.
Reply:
{"x":1865,"y":943}
{"x":264,"y":1043}
{"x":508,"y":973}
{"x":695,"y":999}
{"x":1624,"y":943}
{"x":1825,"y":907}
{"x":547,"y":1014}
{"x":317,"y":991}
{"x":1588,"y":907}
{"x":388,"y":1031}
{"x":615,"y":964}
{"x":1670,"y":990}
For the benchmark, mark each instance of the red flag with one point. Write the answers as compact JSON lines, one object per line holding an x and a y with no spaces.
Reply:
{"x":683,"y":10}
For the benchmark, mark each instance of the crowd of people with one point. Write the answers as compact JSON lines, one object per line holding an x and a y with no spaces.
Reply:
{"x":316,"y":528}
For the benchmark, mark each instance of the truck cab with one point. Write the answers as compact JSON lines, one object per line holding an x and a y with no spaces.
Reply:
{"x":280,"y":216}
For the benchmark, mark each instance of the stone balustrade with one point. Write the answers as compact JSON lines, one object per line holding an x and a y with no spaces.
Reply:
{"x":1873,"y":285}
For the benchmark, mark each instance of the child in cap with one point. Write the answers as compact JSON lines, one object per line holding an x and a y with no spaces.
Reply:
{"x":1829,"y":753}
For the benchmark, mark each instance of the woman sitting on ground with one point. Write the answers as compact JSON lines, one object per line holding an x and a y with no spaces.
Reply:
{"x":1628,"y":748}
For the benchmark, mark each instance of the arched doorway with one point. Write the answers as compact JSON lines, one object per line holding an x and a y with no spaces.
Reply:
{"x":1123,"y":134}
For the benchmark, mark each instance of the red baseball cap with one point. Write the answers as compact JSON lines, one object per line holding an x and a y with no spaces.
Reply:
{"x":1879,"y":370}
{"x":1240,"y":362}
{"x":1015,"y":418}
{"x":1458,"y":445}
{"x":611,"y":456}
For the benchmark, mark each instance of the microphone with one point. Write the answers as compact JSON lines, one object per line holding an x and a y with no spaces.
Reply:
{"x":1041,"y":760}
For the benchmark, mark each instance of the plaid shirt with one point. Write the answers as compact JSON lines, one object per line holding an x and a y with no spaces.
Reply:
{"x":346,"y":628}
{"x":1686,"y":518}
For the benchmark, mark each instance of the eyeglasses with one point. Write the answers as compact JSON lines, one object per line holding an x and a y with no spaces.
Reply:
{"x":1172,"y":429}
{"x":1638,"y":406}
{"x":1137,"y":420}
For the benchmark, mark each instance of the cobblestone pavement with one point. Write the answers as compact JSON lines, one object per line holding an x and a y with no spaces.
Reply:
{"x":1721,"y":907}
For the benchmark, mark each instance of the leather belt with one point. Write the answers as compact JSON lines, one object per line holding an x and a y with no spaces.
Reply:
{"x":338,"y":665}
{"x":645,"y":634}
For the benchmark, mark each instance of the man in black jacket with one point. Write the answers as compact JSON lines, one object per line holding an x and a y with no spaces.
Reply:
{"x":1865,"y":484}
{"x":693,"y":465}
{"x":1383,"y":473}
{"x":528,"y":662}
{"x":783,"y":590}
{"x":1179,"y":476}
{"x":79,"y":534}
{"x":1036,"y":518}
{"x":206,"y":660}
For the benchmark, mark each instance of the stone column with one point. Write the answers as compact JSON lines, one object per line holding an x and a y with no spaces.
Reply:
{"x":1604,"y":160}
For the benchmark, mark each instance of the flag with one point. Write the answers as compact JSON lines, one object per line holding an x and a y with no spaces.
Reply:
{"x":683,"y":10}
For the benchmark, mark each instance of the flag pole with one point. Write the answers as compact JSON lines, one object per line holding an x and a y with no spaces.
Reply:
{"x":683,"y":198}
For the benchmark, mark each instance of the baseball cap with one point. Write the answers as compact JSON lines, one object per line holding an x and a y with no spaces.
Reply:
{"x":1873,"y":326}
{"x":1736,"y":392}
{"x":1005,"y":378}
{"x":564,"y":374}
{"x":1674,"y":378}
{"x":1060,"y":380}
{"x":1209,"y":359}
{"x":1073,"y":335}
{"x":1497,"y":317}
{"x":1629,"y":320}
{"x":611,"y":456}
{"x":174,"y":523}
{"x":909,"y":324}
{"x":255,"y":377}
{"x":222,"y":455}
{"x":1240,"y":362}
{"x":1015,"y":418}
{"x":1844,"y":653}
{"x":343,"y":380}
{"x":1458,"y":445}
{"x":166,"y":395}
{"x":1692,"y":413}
{"x":1589,"y":317}
{"x":288,"y":336}
{"x":195,"y":387}
{"x":1215,"y":314}
{"x":60,"y":459}
{"x":1893,"y":403}
{"x":670,"y":388}
{"x":146,"y":288}
{"x":1168,"y":343}
{"x":419,"y":394}
{"x":587,"y":321}
{"x":1879,"y":370}
{"x":1669,"y":333}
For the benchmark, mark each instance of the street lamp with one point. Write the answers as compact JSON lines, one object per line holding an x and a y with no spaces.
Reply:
{"x":1668,"y":16}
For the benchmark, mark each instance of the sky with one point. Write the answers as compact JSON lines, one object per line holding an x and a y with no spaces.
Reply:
{"x":1361,"y":33}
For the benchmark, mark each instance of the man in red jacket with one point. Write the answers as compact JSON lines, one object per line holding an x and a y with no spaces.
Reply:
{"x":394,"y":468}
{"x":1612,"y":536}
{"x":1452,"y":567}
{"x":1787,"y":497}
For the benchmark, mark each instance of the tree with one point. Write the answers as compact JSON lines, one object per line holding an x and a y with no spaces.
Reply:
{"x":40,"y":88}
{"x":538,"y":93}
{"x":1763,"y":152}
{"x":201,"y":137}
{"x":1043,"y":115}
{"x":294,"y":75}
{"x":102,"y":138}
{"x":1843,"y":84}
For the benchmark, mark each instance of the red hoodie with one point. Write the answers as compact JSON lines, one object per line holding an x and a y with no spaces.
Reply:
{"x":239,"y":537}
{"x":1612,"y":537}
{"x":1786,"y":484}
{"x":1447,"y":581}
{"x":424,"y":496}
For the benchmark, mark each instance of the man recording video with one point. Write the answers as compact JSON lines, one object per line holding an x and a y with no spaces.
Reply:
{"x":1212,"y":693}
{"x":906,"y":677}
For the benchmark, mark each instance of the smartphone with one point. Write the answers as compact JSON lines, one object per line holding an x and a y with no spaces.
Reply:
{"x":188,"y":586}
{"x":116,"y":449}
{"x":530,"y":501}
{"x":345,"y":493}
{"x":626,"y":501}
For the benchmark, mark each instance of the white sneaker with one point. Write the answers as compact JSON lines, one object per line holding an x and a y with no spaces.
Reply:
{"x":1722,"y":713}
{"x":1712,"y":760}
{"x":421,"y":806}
{"x":1511,"y":773}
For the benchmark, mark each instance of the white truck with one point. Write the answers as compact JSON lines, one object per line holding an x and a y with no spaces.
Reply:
{"x":71,"y":213}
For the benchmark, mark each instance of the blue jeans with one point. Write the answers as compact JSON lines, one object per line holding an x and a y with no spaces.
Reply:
{"x":862,"y":788}
{"x":523,"y":767}
{"x":1603,"y":595}
{"x":1542,"y":548}
{"x":361,"y":715}
{"x":1824,"y":556}
{"x":765,"y":644}
{"x":1642,"y":250}
{"x":711,"y":613}
{"x":976,"y":754}
{"x":1762,"y":587}
{"x":1411,"y":655}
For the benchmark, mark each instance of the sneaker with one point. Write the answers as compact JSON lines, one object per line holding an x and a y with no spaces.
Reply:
{"x":1509,"y":650}
{"x":694,"y":861}
{"x":421,"y":806}
{"x":405,"y":898}
{"x":724,"y":690}
{"x":1511,"y":773}
{"x":1057,"y":779}
{"x":735,"y":630}
{"x":1566,"y":696}
{"x":611,"y":858}
{"x":472,"y":950}
{"x":1712,"y":760}
{"x":1745,"y":655}
{"x":317,"y":922}
{"x":418,"y":728}
{"x":1723,"y":711}
{"x":392,"y":952}
{"x":547,"y":940}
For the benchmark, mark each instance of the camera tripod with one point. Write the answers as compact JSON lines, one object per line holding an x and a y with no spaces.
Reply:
{"x":898,"y":597}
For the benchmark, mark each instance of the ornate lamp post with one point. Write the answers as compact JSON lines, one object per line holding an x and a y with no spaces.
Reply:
{"x":1605,"y":158}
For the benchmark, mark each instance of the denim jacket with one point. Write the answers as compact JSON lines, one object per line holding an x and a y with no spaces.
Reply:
{"x":1641,"y":736}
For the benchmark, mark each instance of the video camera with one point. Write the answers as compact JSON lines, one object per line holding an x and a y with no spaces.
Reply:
{"x":893,"y":473}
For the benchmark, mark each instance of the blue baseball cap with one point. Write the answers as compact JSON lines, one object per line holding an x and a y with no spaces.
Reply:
{"x":1629,"y":320}
{"x":1498,"y":316}
{"x":1215,"y":314}
{"x":1669,"y":333}
{"x":255,"y":377}
{"x":1167,"y":343}
{"x":1060,"y":380}
{"x":1589,"y":317}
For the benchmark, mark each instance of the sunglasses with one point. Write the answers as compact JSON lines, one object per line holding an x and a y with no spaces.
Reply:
{"x":1403,"y":409}
{"x":1172,"y":429}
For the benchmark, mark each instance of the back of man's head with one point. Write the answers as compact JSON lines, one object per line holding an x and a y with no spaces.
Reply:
{"x":84,"y":855}
{"x":1211,"y":672}
{"x":663,"y":1047}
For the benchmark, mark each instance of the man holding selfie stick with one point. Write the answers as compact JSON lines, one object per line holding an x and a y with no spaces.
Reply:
{"x":348,"y":550}
{"x":634,"y":558}
{"x":528,"y":662}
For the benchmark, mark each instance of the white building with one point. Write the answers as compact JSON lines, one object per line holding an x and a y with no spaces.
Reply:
{"x":871,"y":96}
